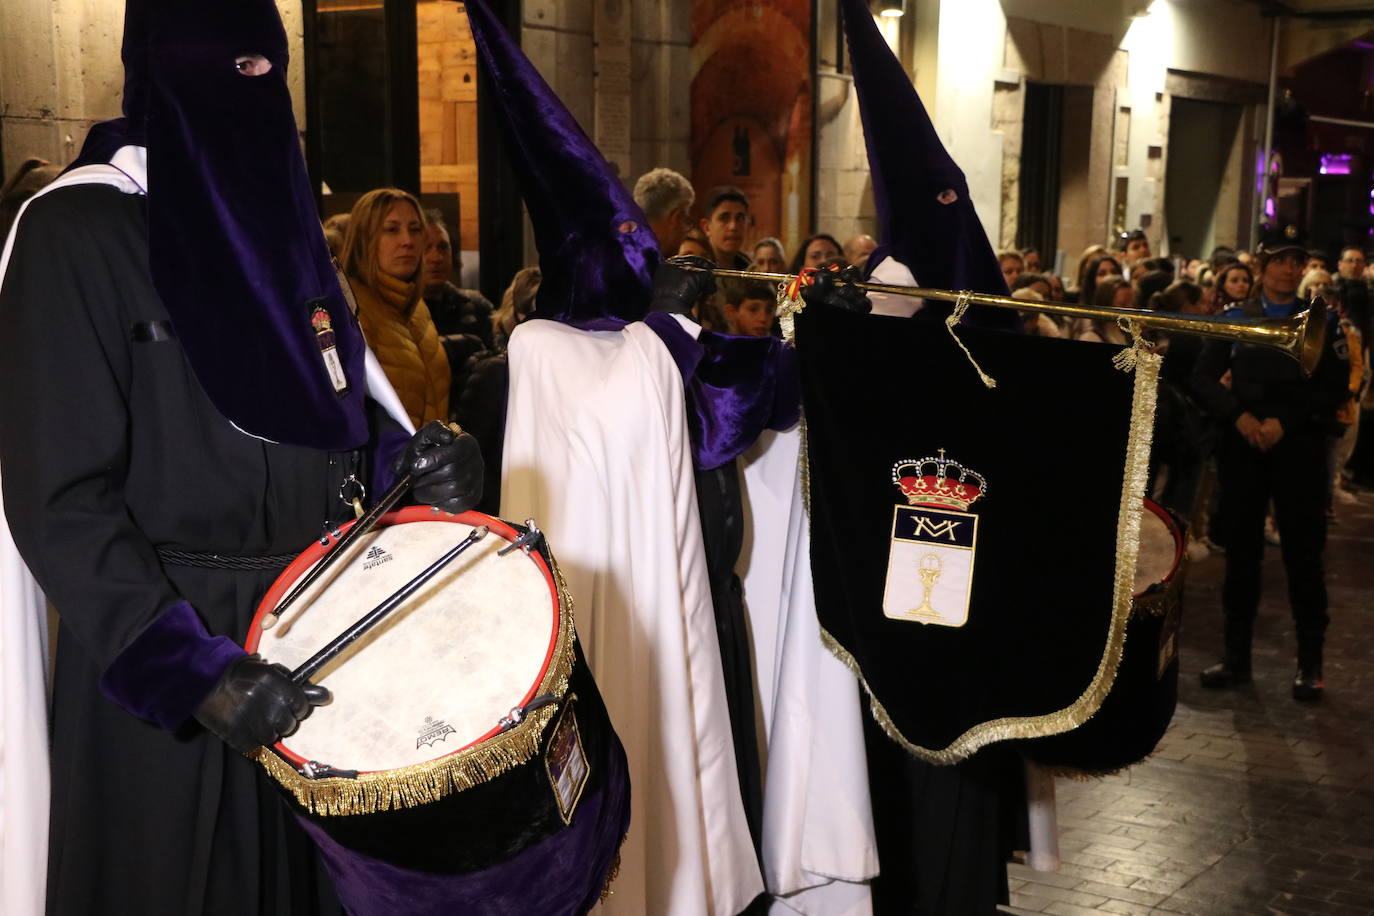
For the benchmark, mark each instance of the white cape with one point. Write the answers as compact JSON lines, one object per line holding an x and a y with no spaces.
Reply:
{"x":819,"y":849}
{"x":24,"y":767}
{"x":597,"y":453}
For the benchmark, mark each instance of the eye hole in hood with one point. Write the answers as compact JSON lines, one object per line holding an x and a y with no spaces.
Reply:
{"x":252,"y":64}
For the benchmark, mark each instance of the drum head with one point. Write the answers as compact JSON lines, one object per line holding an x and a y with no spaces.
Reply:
{"x":1161,"y":546}
{"x":437,"y":675}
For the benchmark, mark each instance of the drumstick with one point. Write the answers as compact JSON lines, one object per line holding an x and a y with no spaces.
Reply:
{"x":361,"y":527}
{"x":378,"y":613}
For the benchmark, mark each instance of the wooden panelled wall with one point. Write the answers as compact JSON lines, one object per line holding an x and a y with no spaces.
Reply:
{"x":448,"y":110}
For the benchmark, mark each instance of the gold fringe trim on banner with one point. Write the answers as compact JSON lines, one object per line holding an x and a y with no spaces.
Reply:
{"x":1145,"y":365}
{"x":423,"y":783}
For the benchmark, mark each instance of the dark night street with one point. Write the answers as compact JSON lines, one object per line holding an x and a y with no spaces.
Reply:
{"x":1253,"y":803}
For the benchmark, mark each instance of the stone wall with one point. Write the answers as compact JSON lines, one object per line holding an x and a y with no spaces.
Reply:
{"x":60,"y":73}
{"x":558,"y":36}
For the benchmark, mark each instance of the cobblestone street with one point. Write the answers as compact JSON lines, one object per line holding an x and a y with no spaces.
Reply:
{"x":1253,"y":803}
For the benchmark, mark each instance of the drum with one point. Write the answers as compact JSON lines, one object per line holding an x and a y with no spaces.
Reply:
{"x":1137,"y":711}
{"x":466,"y":762}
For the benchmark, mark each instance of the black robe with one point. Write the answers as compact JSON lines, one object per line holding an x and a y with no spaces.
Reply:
{"x":110,"y":449}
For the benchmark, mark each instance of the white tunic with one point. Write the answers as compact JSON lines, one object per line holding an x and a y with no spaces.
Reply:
{"x":597,"y":452}
{"x":819,"y":850}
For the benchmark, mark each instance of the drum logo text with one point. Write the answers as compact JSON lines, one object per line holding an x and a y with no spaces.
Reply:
{"x":376,"y":557}
{"x":933,"y":541}
{"x":433,"y":731}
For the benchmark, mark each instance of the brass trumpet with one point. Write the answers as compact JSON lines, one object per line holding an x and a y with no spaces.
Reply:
{"x":1301,"y":336}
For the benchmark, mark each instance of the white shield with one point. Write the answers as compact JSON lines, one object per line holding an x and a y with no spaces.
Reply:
{"x":930,"y":566}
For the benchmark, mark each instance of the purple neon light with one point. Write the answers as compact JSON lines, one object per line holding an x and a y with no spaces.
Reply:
{"x":1335,"y":164}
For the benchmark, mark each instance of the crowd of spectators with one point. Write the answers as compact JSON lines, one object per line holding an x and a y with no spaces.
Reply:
{"x":436,"y":339}
{"x":1232,"y":428}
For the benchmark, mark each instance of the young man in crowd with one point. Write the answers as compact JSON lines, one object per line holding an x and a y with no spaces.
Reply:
{"x":1135,"y":248}
{"x":725,"y":224}
{"x":1012,"y":265}
{"x":666,"y":198}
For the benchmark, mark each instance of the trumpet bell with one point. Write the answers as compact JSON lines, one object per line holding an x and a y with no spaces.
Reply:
{"x":1311,"y":338}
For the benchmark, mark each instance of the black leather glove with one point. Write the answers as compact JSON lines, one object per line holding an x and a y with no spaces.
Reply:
{"x":677,"y":288}
{"x":825,"y":291}
{"x":446,"y":467}
{"x":255,"y":704}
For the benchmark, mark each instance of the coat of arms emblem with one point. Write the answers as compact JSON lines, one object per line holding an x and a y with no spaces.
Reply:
{"x":934,"y":537}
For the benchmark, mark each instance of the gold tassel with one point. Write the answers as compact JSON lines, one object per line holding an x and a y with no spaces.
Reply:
{"x":790,"y":305}
{"x":956,"y":316}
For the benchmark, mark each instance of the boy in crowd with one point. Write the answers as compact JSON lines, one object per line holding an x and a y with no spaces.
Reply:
{"x":749,"y":308}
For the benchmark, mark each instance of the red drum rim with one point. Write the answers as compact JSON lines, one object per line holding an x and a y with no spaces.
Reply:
{"x":318,"y":548}
{"x":1169,"y":523}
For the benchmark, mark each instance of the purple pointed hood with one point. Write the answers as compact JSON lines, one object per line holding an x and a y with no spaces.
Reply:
{"x":235,"y":246}
{"x":926,"y":219}
{"x":596,"y":250}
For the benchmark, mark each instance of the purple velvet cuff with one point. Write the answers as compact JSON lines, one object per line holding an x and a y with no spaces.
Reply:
{"x":165,"y":673}
{"x":736,"y":387}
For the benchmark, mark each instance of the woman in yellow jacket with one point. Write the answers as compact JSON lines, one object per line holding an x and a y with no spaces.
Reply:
{"x":381,"y":256}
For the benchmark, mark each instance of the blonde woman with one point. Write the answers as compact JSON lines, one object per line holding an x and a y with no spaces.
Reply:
{"x":381,"y":255}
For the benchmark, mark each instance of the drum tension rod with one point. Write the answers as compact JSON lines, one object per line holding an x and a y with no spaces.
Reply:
{"x":518,"y":713}
{"x":313,"y":769}
{"x":529,"y":540}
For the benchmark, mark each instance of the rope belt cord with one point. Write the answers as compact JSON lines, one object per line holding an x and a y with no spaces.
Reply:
{"x":271,"y":563}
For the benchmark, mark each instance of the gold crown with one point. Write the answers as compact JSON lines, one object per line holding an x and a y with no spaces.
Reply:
{"x":938,"y":481}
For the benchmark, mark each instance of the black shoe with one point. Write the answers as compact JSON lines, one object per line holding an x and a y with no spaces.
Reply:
{"x":1308,"y":686}
{"x":1222,"y":675}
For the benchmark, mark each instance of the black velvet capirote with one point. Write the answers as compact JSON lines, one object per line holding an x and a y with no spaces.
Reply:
{"x":877,"y":390}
